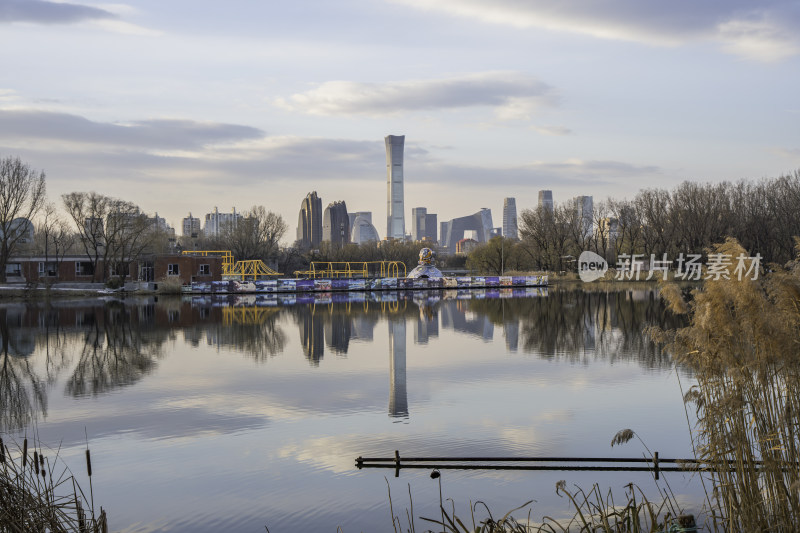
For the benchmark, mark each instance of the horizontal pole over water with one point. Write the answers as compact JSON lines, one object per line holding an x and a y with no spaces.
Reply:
{"x":654,"y":463}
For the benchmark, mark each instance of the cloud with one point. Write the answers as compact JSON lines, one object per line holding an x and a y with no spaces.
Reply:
{"x":510,"y":94}
{"x":553,"y":130}
{"x":243,"y":155}
{"x":149,"y":134}
{"x":574,"y":172}
{"x":764,"y":31}
{"x":42,"y":12}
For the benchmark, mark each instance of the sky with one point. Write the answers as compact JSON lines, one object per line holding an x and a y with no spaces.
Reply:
{"x":184,"y":106}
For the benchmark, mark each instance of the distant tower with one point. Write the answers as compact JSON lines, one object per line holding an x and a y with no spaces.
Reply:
{"x":546,"y":200}
{"x":309,"y":222}
{"x":395,"y":218}
{"x":584,"y":205}
{"x":510,"y":218}
{"x":418,"y":228}
{"x":336,"y":224}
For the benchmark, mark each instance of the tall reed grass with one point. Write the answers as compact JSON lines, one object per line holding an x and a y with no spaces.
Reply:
{"x":38,"y":493}
{"x":743,"y":345}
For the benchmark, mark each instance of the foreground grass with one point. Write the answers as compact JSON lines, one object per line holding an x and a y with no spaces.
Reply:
{"x":34,"y":497}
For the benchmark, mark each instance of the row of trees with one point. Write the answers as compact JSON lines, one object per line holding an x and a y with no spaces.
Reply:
{"x":109,"y":231}
{"x":763,"y":216}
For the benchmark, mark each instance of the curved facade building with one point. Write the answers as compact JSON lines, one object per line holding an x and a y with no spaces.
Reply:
{"x":336,"y":224}
{"x":395,"y":218}
{"x":309,"y":222}
{"x":363,"y":231}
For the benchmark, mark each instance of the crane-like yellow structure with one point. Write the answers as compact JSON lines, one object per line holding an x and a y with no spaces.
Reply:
{"x":242,"y":270}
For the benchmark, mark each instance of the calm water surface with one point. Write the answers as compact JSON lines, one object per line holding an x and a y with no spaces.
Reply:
{"x":235,"y":413}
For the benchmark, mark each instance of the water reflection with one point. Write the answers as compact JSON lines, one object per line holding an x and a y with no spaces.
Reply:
{"x":100,"y":346}
{"x":398,"y":398}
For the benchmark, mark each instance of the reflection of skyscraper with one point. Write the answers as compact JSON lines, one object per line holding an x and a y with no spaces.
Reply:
{"x":510,"y":218}
{"x":363,"y":326}
{"x":398,"y":398}
{"x":511,"y":333}
{"x":337,"y":332}
{"x":454,"y":316}
{"x":311,"y":332}
{"x":395,"y":217}
{"x":427,"y":325}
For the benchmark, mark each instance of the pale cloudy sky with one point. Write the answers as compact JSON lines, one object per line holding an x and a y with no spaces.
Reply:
{"x":182,"y":106}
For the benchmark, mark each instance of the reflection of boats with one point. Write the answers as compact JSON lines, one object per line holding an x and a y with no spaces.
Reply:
{"x":386,"y":299}
{"x":368,"y":284}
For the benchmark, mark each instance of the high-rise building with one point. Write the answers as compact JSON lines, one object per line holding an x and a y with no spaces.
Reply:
{"x":362,"y":230}
{"x":454,"y":230}
{"x":336,"y":224}
{"x":217,"y":222}
{"x":395,"y":217}
{"x":584,"y":206}
{"x":191,"y":227}
{"x":510,"y":218}
{"x":423,"y":225}
{"x":309,"y":221}
{"x":546,"y":200}
{"x":431,"y":225}
{"x":418,"y":223}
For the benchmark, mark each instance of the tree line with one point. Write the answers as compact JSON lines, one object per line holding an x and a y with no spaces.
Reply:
{"x":113,"y":234}
{"x":763,"y":216}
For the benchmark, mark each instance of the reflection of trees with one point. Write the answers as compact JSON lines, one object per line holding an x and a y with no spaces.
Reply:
{"x":21,"y":392}
{"x":577,"y":324}
{"x":116,"y":351}
{"x":260,"y":340}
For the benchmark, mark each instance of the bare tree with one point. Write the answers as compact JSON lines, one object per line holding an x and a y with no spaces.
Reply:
{"x":255,"y":236}
{"x":54,"y":239}
{"x":88,"y":210}
{"x":128,"y":233}
{"x":22,"y":195}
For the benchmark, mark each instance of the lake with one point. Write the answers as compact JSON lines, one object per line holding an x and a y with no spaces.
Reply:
{"x":235,"y":413}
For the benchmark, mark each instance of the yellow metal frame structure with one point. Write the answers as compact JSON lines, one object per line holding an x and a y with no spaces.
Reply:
{"x":250,"y":269}
{"x":247,"y":316}
{"x":352,"y":269}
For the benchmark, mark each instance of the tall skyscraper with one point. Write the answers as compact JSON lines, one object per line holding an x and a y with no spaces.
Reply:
{"x":510,"y":218}
{"x":336,"y":224}
{"x":585,"y":210}
{"x":395,"y":217}
{"x":546,"y":200}
{"x":309,"y":222}
{"x":418,"y":223}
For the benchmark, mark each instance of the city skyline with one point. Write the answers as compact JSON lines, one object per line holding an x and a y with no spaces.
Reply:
{"x":181,"y":106}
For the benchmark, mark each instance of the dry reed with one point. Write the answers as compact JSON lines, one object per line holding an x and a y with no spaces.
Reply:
{"x":33,"y":497}
{"x":743,"y":346}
